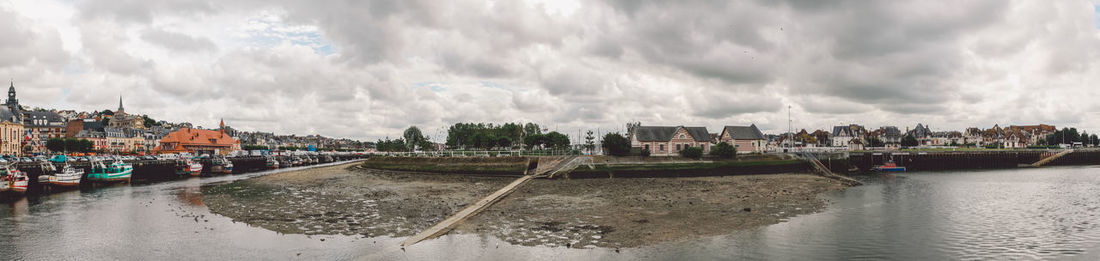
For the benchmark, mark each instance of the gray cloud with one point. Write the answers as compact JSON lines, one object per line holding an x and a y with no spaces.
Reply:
{"x":177,"y":41}
{"x":367,"y":69}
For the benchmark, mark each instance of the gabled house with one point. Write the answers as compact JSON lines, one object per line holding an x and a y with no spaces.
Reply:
{"x":844,"y":134}
{"x":669,"y":141}
{"x":746,"y":139}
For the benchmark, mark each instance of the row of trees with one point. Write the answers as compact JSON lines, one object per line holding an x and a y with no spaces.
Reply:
{"x":69,"y":145}
{"x":504,"y":136}
{"x":1070,"y":135}
{"x":490,"y":136}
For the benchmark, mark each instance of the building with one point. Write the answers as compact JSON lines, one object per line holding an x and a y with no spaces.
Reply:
{"x":123,"y":120}
{"x":746,"y":139}
{"x":198,"y":142}
{"x":669,"y":141}
{"x":842,"y":135}
{"x":11,"y":134}
{"x":41,"y":126}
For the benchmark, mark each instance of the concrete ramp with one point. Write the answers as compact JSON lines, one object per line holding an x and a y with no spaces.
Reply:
{"x":824,"y":171}
{"x":449,"y":223}
{"x":1051,"y":158}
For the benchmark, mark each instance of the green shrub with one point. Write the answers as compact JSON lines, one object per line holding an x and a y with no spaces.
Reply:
{"x":645,"y":153}
{"x":723,"y":150}
{"x":692,"y":152}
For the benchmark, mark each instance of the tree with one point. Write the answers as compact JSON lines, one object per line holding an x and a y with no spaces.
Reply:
{"x":615,"y":144}
{"x":876,"y":142}
{"x":909,"y":141}
{"x":55,"y":145}
{"x":723,"y":150}
{"x":413,"y":137}
{"x":589,"y":141}
{"x":556,"y":140}
{"x":692,"y":152}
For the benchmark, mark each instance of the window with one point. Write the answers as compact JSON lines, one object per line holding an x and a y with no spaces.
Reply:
{"x":677,"y":147}
{"x":682,"y":136}
{"x":647,"y":146}
{"x":662,"y":147}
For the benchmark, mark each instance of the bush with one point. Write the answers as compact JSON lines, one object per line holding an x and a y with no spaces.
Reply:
{"x":692,"y":152}
{"x":723,"y":150}
{"x":616,"y":145}
{"x":644,"y":153}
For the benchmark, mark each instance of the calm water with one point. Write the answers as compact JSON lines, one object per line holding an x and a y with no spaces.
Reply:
{"x":1049,"y":213}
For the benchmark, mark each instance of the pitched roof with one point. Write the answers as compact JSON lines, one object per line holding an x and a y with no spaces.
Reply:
{"x":744,"y":132}
{"x":699,"y":133}
{"x":188,"y":136}
{"x":664,"y":133}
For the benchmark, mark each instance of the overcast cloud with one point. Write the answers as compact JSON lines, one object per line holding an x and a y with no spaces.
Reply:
{"x":367,"y":69}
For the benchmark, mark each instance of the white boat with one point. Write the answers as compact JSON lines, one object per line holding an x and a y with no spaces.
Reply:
{"x":68,"y":177}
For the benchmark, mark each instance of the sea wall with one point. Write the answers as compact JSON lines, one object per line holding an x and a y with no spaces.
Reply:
{"x":492,"y":166}
{"x":928,"y":161}
{"x":700,"y":169}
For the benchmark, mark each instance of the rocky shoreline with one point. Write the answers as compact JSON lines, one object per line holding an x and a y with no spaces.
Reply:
{"x":589,"y":213}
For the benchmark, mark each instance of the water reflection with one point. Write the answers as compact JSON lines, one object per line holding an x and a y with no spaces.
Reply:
{"x":1047,"y":213}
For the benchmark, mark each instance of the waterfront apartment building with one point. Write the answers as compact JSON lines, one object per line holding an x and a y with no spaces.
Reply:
{"x":669,"y":141}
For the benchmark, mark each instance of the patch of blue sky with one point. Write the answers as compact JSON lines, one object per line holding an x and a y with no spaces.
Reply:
{"x":1096,"y":15}
{"x":275,"y":34}
{"x":494,"y":85}
{"x":433,"y":86}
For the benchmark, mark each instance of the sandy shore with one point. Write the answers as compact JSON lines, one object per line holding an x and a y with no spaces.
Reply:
{"x":569,"y":213}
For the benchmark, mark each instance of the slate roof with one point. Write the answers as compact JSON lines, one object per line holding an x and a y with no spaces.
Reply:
{"x":664,"y":133}
{"x":745,"y":132}
{"x":6,"y":115}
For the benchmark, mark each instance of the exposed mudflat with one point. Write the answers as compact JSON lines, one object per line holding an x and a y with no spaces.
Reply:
{"x":636,"y":212}
{"x":568,"y":213}
{"x":343,"y":200}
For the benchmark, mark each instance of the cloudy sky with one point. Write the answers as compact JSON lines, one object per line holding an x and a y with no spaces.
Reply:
{"x":368,"y":69}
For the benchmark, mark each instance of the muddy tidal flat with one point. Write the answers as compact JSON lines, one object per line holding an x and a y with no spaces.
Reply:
{"x":578,"y":213}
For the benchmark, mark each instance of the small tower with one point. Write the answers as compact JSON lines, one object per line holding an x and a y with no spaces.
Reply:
{"x":13,"y":104}
{"x":221,"y":127}
{"x":121,"y":111}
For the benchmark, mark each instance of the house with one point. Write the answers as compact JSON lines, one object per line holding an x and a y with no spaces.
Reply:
{"x":669,"y":141}
{"x":855,"y":144}
{"x":746,"y":139}
{"x":844,"y":134}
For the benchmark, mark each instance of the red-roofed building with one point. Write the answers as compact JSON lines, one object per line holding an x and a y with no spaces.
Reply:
{"x":198,"y":142}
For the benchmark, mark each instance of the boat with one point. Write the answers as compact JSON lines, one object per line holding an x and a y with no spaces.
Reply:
{"x":227,"y":167}
{"x":271,"y":163}
{"x":17,"y":180}
{"x":68,"y":177}
{"x":889,"y":166}
{"x":193,"y":167}
{"x":114,"y":172}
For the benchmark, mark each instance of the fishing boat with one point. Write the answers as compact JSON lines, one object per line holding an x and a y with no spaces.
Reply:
{"x":193,"y":167}
{"x":889,"y":166}
{"x":227,"y":168}
{"x":68,"y":177}
{"x":114,"y":172}
{"x":17,"y":180}
{"x":271,"y":163}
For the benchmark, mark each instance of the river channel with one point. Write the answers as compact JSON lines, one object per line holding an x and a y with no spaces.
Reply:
{"x":1042,"y":213}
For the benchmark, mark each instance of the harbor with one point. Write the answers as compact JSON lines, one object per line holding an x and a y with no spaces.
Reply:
{"x":338,"y":211}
